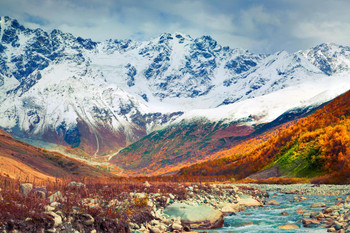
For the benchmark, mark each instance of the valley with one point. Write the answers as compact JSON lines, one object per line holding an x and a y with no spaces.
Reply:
{"x":170,"y":134}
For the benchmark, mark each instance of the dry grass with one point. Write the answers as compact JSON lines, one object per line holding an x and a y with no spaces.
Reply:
{"x":109,"y":200}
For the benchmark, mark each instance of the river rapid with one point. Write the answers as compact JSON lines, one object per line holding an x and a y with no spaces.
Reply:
{"x":291,"y":210}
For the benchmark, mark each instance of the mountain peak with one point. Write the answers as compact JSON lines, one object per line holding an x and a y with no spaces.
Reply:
{"x":7,"y":22}
{"x":331,"y":58}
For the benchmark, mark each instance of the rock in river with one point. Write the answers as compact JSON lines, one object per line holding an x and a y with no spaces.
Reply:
{"x":247,"y":200}
{"x":288,"y":226}
{"x":197,"y":217}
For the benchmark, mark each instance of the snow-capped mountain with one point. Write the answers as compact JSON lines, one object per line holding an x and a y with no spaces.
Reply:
{"x":330,"y":58}
{"x":102,"y":96}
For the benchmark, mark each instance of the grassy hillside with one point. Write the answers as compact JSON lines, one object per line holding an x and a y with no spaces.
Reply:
{"x":21,"y":160}
{"x":315,"y":146}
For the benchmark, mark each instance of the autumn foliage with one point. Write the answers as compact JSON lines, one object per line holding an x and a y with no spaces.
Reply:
{"x":314,"y":146}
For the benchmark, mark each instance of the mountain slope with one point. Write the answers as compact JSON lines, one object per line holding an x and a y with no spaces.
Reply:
{"x":199,"y":134}
{"x":104,"y":96}
{"x":316,"y":145}
{"x":23,"y":161}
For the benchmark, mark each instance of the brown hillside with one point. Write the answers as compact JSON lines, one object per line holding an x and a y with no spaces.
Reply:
{"x":24,"y":161}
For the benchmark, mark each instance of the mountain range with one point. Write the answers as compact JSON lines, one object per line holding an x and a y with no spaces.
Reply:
{"x":153,"y":107}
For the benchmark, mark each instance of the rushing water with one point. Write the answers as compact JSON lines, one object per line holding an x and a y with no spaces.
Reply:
{"x":268,"y":218}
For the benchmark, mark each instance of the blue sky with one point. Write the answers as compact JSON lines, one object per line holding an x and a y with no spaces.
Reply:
{"x":264,"y":26}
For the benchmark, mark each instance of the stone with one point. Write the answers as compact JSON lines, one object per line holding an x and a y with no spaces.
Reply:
{"x":307,"y":222}
{"x":227,"y":208}
{"x":49,"y":208}
{"x":134,"y":225}
{"x":176,"y":227}
{"x":87,"y":219}
{"x":146,"y":184}
{"x":198,"y":217}
{"x":39,"y":192}
{"x":51,"y":230}
{"x":55,"y":217}
{"x":55,"y":204}
{"x":331,"y":229}
{"x":91,"y":203}
{"x":154,"y":222}
{"x":247,"y":200}
{"x":25,"y":188}
{"x":284,"y":214}
{"x":288,"y":226}
{"x":328,"y":210}
{"x":140,"y":195}
{"x":306,"y":214}
{"x":318,"y":205}
{"x":337,"y":225}
{"x":76,"y":184}
{"x":272,"y":202}
{"x":56,"y":197}
{"x":242,"y":224}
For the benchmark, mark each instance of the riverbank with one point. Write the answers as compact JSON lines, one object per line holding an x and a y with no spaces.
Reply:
{"x":174,"y":207}
{"x":304,"y":189}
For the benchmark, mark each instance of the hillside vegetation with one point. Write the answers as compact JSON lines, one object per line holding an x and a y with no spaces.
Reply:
{"x":20,"y":160}
{"x":315,"y":146}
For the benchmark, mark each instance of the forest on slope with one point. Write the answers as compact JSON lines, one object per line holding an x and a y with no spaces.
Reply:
{"x":317,"y":146}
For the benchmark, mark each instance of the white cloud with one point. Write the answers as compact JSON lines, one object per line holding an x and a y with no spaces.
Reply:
{"x":253,"y":18}
{"x":329,"y":31}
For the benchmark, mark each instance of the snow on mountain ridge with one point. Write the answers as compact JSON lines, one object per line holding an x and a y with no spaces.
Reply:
{"x":111,"y":93}
{"x":330,"y":58}
{"x":266,"y":108}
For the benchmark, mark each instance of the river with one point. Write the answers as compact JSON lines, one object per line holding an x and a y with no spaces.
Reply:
{"x":268,"y":218}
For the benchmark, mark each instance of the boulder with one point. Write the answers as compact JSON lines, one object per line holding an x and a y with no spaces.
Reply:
{"x":272,"y":202}
{"x":76,"y":184}
{"x":25,"y":188}
{"x":176,"y":227}
{"x":328,"y":211}
{"x":318,"y":205}
{"x":247,"y":200}
{"x":39,"y":192}
{"x":288,"y":226}
{"x":284,"y":213}
{"x":227,"y":208}
{"x":56,"y":197}
{"x":146,"y":184}
{"x":86,"y":219}
{"x":307,"y":222}
{"x":49,"y":208}
{"x":57,"y":220}
{"x":198,"y":217}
